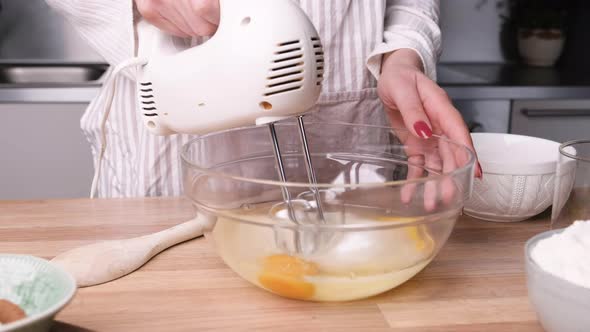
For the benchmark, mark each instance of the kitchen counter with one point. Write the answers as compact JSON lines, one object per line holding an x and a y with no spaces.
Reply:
{"x":476,"y":283}
{"x":461,"y":81}
{"x":511,"y":75}
{"x":510,"y":81}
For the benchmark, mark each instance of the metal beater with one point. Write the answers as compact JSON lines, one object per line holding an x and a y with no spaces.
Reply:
{"x":308,"y":165}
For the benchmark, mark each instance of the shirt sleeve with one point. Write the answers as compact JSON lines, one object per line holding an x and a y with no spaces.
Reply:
{"x":106,"y":25}
{"x":410,"y":24}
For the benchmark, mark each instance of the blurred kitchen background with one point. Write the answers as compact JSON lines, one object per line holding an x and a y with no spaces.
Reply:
{"x":509,"y":66}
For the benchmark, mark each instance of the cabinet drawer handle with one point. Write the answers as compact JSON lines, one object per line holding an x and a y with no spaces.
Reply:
{"x":533,"y":113}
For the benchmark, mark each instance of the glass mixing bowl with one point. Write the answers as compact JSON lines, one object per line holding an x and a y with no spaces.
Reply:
{"x":389,"y":203}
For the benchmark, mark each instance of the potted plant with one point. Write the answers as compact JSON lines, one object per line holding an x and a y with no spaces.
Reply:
{"x":540,"y":26}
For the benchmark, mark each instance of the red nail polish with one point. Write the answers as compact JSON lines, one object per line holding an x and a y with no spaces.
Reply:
{"x":422,"y":129}
{"x":479,"y":171}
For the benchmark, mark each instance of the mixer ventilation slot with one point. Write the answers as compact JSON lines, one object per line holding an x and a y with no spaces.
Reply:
{"x":297,"y":56}
{"x":286,"y":72}
{"x":291,"y":66}
{"x":289,"y":50}
{"x":293,"y":42}
{"x":146,"y":97}
{"x":319,"y":58}
{"x":282,"y":91}
{"x":285,"y":82}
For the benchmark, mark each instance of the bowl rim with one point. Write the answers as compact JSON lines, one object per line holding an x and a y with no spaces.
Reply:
{"x":518,"y":168}
{"x":469,"y":165}
{"x":56,"y":307}
{"x":530,"y":262}
{"x":567,"y":144}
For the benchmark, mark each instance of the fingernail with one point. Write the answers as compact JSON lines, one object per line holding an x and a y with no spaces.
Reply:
{"x":422,"y":129}
{"x":479,"y":171}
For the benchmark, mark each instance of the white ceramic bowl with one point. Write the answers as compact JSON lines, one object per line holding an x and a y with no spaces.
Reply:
{"x":40,"y":288}
{"x":561,"y":306}
{"x":518,"y":177}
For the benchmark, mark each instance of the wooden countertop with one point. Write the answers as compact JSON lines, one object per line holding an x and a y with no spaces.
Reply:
{"x":476,"y":283}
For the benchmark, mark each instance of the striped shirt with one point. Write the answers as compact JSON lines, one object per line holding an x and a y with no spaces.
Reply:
{"x":355,"y":35}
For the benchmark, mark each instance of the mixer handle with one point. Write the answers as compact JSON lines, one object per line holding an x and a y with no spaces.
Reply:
{"x":165,"y":44}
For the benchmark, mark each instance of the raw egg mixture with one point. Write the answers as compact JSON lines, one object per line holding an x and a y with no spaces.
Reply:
{"x":344,"y":266}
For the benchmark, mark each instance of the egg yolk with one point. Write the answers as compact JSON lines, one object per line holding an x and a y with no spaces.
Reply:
{"x":284,"y":275}
{"x":418,"y":234}
{"x":396,"y":219}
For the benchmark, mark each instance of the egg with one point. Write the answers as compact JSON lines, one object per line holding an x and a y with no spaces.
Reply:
{"x":346,"y":265}
{"x":284,"y":275}
{"x":369,"y":252}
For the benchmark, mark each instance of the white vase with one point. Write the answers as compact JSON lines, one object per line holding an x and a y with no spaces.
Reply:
{"x":540,"y":47}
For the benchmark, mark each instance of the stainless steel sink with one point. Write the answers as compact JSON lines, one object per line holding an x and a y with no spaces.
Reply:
{"x":49,"y":74}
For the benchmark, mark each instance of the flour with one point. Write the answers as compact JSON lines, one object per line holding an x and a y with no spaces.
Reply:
{"x":26,"y":284}
{"x":16,"y":278}
{"x":566,"y":255}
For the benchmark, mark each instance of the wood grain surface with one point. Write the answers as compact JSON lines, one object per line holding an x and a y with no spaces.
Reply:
{"x":476,"y":283}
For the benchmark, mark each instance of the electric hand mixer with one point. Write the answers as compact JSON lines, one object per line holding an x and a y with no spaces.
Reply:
{"x":264,"y":64}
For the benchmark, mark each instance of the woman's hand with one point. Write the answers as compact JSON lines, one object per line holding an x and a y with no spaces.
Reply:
{"x":414,"y":101}
{"x":183,"y":18}
{"x":417,"y":103}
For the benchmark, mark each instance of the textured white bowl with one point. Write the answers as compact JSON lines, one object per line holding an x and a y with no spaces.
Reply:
{"x":518,"y":177}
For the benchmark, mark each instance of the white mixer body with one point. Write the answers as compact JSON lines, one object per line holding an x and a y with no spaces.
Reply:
{"x":264,"y":63}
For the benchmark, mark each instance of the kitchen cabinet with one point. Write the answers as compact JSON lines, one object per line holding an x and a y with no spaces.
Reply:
{"x":43,"y":152}
{"x":557,"y":120}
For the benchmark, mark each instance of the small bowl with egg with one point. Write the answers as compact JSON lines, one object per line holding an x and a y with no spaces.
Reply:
{"x":518,"y":177}
{"x":558,"y":278}
{"x":32,"y":292}
{"x":383,"y":205}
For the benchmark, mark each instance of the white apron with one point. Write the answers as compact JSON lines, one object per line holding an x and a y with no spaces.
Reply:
{"x":355,"y":34}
